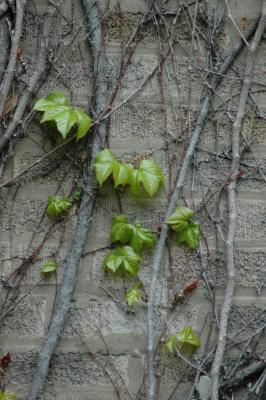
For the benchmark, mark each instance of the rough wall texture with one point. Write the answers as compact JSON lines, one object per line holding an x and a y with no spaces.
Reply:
{"x":96,"y":322}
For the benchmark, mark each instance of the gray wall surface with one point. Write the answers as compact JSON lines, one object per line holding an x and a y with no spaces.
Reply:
{"x":97,"y":323}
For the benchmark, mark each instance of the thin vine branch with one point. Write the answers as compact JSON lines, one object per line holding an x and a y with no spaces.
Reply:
{"x":159,"y":250}
{"x":231,"y":195}
{"x":84,"y":218}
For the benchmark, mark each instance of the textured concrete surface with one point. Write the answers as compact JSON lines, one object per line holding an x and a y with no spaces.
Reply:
{"x":96,"y":324}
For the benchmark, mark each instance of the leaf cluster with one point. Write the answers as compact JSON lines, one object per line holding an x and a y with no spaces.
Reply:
{"x":56,"y":108}
{"x":48,"y":267}
{"x":186,"y":341}
{"x":126,"y":259}
{"x":182,"y":222}
{"x":134,"y":295}
{"x":148,"y":177}
{"x":57,"y":206}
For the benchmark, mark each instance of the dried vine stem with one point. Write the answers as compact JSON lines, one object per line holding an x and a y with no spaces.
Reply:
{"x":231,"y":195}
{"x":158,"y":254}
{"x":84,"y":218}
{"x":11,"y":67}
{"x":31,"y":89}
{"x":4,"y":45}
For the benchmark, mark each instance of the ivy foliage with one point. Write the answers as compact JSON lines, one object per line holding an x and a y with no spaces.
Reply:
{"x":7,"y":396}
{"x":134,"y":295}
{"x":48,"y":267}
{"x":148,"y":177}
{"x":122,"y":261}
{"x":135,"y":235}
{"x":186,"y":341}
{"x":188,"y":231}
{"x":57,"y":206}
{"x":57,"y":108}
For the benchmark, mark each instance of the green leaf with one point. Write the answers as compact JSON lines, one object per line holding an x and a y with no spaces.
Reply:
{"x":180,"y":218}
{"x":122,"y":173}
{"x":84,"y":122}
{"x":188,"y":341}
{"x":171,"y":344}
{"x":53,"y":99}
{"x":48,"y":267}
{"x":8,"y":396}
{"x":77,"y":194}
{"x":189,"y":236}
{"x":56,"y":108}
{"x":134,"y":295}
{"x":104,"y":165}
{"x":141,"y":237}
{"x":149,"y":175}
{"x":123,"y":260}
{"x":56,"y":206}
{"x":121,"y":231}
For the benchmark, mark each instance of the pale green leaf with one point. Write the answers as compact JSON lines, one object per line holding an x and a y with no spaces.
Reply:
{"x":171,"y":344}
{"x":188,"y":341}
{"x":134,"y":295}
{"x":104,"y":164}
{"x":48,"y":267}
{"x":180,"y":218}
{"x":141,"y":237}
{"x":84,"y":123}
{"x":7,"y":396}
{"x":122,"y":173}
{"x":56,"y":206}
{"x":189,"y":236}
{"x":149,"y":175}
{"x":123,"y":260}
{"x":52,"y":100}
{"x":121,"y":231}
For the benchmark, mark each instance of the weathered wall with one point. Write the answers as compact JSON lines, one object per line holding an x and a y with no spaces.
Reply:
{"x":139,"y":127}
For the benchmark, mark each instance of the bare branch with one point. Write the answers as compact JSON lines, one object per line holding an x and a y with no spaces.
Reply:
{"x":231,"y":193}
{"x":84,"y":218}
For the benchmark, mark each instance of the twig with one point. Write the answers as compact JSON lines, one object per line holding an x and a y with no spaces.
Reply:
{"x":151,"y":386}
{"x":231,"y":192}
{"x":244,"y":374}
{"x":84,"y":218}
{"x":4,"y":45}
{"x":11,"y":67}
{"x":29,"y":91}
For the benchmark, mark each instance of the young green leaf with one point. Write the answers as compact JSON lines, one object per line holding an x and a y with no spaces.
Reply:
{"x":104,"y":165}
{"x":56,"y":206}
{"x":141,"y":238}
{"x":148,"y":176}
{"x":48,"y":267}
{"x":7,"y":396}
{"x":180,"y":218}
{"x":77,"y":194}
{"x":189,"y":236}
{"x":122,"y":260}
{"x":122,"y":173}
{"x":134,"y":295}
{"x":84,"y":123}
{"x":171,"y":343}
{"x":121,"y":231}
{"x":188,"y":341}
{"x":56,"y":108}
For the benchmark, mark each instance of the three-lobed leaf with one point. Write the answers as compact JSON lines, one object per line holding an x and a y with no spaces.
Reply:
{"x":189,"y":236}
{"x":56,"y":108}
{"x":148,"y":176}
{"x":123,"y":260}
{"x":56,"y":206}
{"x":186,"y":341}
{"x":180,"y":218}
{"x":48,"y":267}
{"x":188,"y":231}
{"x":134,"y":295}
{"x":7,"y":395}
{"x":135,"y":235}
